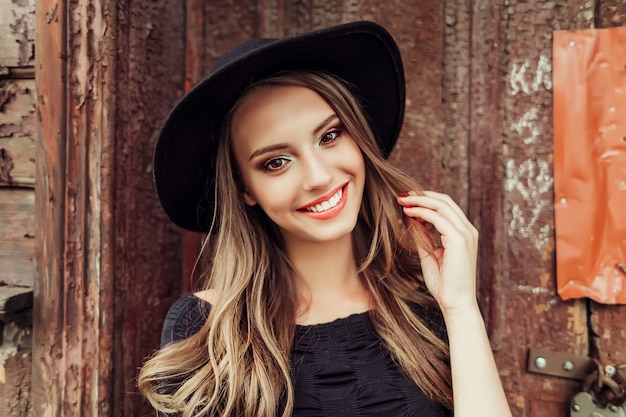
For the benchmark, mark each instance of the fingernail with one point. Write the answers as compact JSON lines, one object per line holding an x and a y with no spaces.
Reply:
{"x":403,"y":194}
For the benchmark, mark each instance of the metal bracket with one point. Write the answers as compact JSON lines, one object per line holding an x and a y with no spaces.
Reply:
{"x":565,"y":365}
{"x":584,"y":406}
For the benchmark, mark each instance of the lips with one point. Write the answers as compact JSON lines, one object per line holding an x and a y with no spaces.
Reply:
{"x":327,"y":205}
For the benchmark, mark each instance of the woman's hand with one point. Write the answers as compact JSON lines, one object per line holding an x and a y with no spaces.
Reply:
{"x":450,"y":275}
{"x":450,"y":272}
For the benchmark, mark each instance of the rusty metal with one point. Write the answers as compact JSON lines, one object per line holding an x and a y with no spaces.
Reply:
{"x":561,"y":364}
{"x":606,"y":384}
{"x":583,"y":405}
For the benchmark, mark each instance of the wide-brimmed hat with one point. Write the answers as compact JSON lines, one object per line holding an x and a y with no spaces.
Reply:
{"x":361,"y":53}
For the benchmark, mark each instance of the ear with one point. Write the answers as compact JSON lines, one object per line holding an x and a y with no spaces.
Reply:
{"x":248,"y":199}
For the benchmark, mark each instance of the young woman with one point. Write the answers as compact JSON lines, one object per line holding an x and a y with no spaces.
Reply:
{"x":325,"y":294}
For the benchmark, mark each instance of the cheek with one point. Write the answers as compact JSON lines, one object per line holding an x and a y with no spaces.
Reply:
{"x":356,"y":160}
{"x":272,"y":194}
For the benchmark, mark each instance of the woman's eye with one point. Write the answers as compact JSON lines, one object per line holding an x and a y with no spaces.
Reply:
{"x":275,"y":164}
{"x":330,"y":136}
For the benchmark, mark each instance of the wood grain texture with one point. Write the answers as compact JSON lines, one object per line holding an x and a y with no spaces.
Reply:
{"x":17,"y":33}
{"x":148,"y":76}
{"x":100,"y":301}
{"x":17,"y":133}
{"x":17,"y":237}
{"x":49,"y":210}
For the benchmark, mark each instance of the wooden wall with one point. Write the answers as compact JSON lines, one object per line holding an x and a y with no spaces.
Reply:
{"x":107,"y":73}
{"x":17,"y":202}
{"x":478,"y":126}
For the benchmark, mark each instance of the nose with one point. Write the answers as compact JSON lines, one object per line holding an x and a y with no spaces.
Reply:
{"x":316,"y":172}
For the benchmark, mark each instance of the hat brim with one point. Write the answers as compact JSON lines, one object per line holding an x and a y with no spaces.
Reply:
{"x":361,"y":53}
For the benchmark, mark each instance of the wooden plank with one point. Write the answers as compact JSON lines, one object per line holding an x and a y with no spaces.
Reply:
{"x":15,"y":373}
{"x":150,"y":70}
{"x":17,"y":237}
{"x":47,"y":383}
{"x":100,"y":297}
{"x":194,"y":72}
{"x":17,"y":133}
{"x":421,"y":151}
{"x":17,"y":33}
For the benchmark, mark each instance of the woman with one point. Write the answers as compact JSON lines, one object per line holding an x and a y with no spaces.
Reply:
{"x":325,"y":295}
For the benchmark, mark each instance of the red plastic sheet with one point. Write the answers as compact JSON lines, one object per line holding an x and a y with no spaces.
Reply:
{"x":589,"y":81}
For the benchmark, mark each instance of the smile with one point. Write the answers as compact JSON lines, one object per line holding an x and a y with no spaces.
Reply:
{"x":327,"y":206}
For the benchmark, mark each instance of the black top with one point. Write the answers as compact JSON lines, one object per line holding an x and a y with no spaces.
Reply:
{"x":341,"y":368}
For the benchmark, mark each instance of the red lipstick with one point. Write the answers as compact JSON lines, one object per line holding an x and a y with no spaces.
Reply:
{"x":315,"y":208}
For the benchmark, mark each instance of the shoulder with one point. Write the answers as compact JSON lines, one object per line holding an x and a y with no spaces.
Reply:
{"x":184,"y":318}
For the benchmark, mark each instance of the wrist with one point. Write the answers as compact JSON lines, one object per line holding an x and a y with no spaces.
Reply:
{"x":461,"y":312}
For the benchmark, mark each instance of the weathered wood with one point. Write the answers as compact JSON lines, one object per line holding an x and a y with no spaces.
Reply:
{"x":17,"y":237}
{"x":97,"y":304}
{"x":17,"y":133}
{"x":17,"y":32}
{"x":15,"y":372}
{"x":48,"y":319}
{"x":149,"y":75}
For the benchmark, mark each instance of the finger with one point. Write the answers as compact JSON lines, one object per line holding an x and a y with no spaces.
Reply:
{"x":442,"y":223}
{"x":443,"y":204}
{"x":449,"y":201}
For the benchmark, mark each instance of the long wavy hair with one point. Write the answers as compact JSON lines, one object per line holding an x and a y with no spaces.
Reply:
{"x":238,"y":363}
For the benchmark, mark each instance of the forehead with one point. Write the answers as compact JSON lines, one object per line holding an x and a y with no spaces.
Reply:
{"x":277,"y":108}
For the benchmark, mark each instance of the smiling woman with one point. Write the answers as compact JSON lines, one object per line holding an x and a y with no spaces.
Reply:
{"x":302,"y":160}
{"x":326,"y":295}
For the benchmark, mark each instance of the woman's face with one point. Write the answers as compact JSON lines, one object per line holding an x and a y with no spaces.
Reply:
{"x":298,"y":163}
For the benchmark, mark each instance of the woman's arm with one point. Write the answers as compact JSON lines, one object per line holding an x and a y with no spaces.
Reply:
{"x":450,"y":275}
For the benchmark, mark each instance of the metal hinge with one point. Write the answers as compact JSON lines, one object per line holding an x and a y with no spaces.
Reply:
{"x":584,"y":406}
{"x":561,"y":364}
{"x":593,"y":400}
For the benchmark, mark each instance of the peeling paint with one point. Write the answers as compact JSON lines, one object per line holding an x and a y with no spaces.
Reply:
{"x":17,"y":32}
{"x":12,"y":337}
{"x":6,"y":166}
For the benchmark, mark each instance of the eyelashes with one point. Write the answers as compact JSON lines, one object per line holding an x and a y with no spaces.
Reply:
{"x":331,"y":136}
{"x":275,"y":164}
{"x":279,"y":162}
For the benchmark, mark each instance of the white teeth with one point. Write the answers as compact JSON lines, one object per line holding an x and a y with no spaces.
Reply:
{"x":330,"y":203}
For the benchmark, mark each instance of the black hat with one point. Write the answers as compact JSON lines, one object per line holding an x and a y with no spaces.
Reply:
{"x":361,"y":53}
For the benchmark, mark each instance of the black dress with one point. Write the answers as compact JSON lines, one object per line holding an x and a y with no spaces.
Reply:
{"x":340,"y":368}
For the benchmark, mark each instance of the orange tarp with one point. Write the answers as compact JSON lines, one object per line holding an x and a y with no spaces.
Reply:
{"x":589,"y":81}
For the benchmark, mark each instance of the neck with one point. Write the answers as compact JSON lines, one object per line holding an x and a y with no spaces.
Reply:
{"x":328,"y":285}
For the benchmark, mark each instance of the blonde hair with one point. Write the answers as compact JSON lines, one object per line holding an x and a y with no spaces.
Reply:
{"x":238,"y":363}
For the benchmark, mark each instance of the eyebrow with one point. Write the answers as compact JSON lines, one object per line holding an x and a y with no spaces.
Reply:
{"x":279,"y":146}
